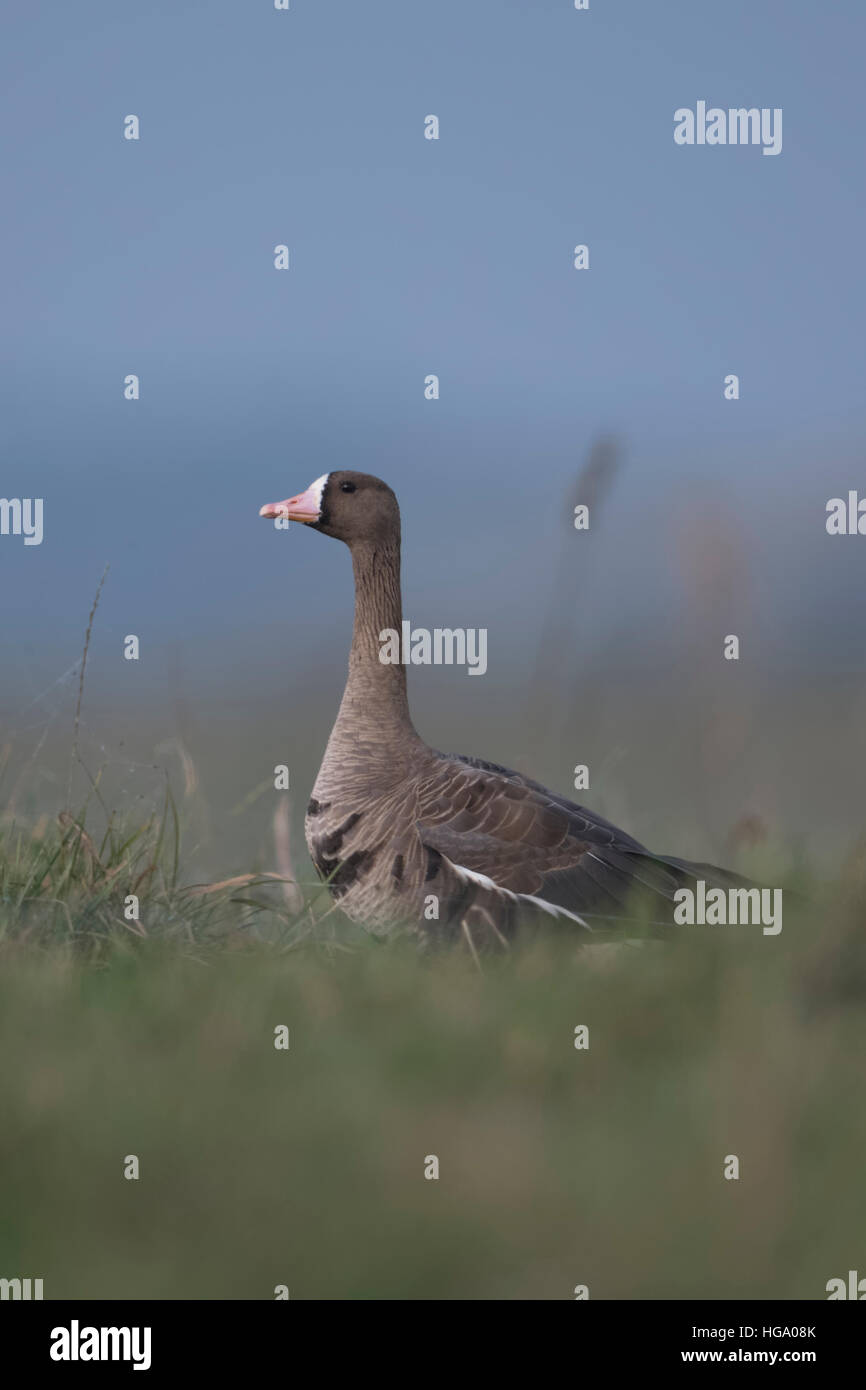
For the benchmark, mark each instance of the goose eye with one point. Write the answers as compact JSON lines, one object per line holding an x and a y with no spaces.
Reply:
{"x":347,"y":487}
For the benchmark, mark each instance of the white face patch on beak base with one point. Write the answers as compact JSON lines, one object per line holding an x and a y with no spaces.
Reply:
{"x":307,"y":506}
{"x":316,"y":489}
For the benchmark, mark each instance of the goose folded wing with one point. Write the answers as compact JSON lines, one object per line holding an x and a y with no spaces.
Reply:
{"x":494,"y":822}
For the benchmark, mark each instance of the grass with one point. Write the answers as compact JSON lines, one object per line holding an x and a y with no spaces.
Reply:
{"x":305,"y":1167}
{"x":63,"y":889}
{"x":154,"y":1035}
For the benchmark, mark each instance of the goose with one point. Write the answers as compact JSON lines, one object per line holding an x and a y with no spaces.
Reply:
{"x":445,"y":844}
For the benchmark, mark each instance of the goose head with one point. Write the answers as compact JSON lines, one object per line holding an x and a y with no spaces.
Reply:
{"x":352,"y":507}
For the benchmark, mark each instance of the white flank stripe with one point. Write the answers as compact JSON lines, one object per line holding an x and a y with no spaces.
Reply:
{"x":550,"y":908}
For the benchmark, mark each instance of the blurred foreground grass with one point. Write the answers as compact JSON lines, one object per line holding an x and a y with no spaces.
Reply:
{"x":305,"y":1167}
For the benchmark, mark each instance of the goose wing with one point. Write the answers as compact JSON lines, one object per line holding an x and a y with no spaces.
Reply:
{"x":495,"y":823}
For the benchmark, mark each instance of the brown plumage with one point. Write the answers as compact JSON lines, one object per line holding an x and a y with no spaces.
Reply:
{"x":448,"y":844}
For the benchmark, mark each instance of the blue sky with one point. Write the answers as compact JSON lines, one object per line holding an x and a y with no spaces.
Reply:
{"x":408,"y":257}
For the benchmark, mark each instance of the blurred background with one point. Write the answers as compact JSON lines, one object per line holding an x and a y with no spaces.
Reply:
{"x":452,"y":257}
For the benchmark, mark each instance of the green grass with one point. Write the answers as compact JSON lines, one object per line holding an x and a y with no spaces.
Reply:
{"x":64,"y":889}
{"x":558,"y":1167}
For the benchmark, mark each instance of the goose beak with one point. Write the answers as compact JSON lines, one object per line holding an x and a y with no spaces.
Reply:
{"x":305,"y":507}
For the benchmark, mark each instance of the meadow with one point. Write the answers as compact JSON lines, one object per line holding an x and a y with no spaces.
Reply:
{"x":153,"y":1035}
{"x":559,"y":1166}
